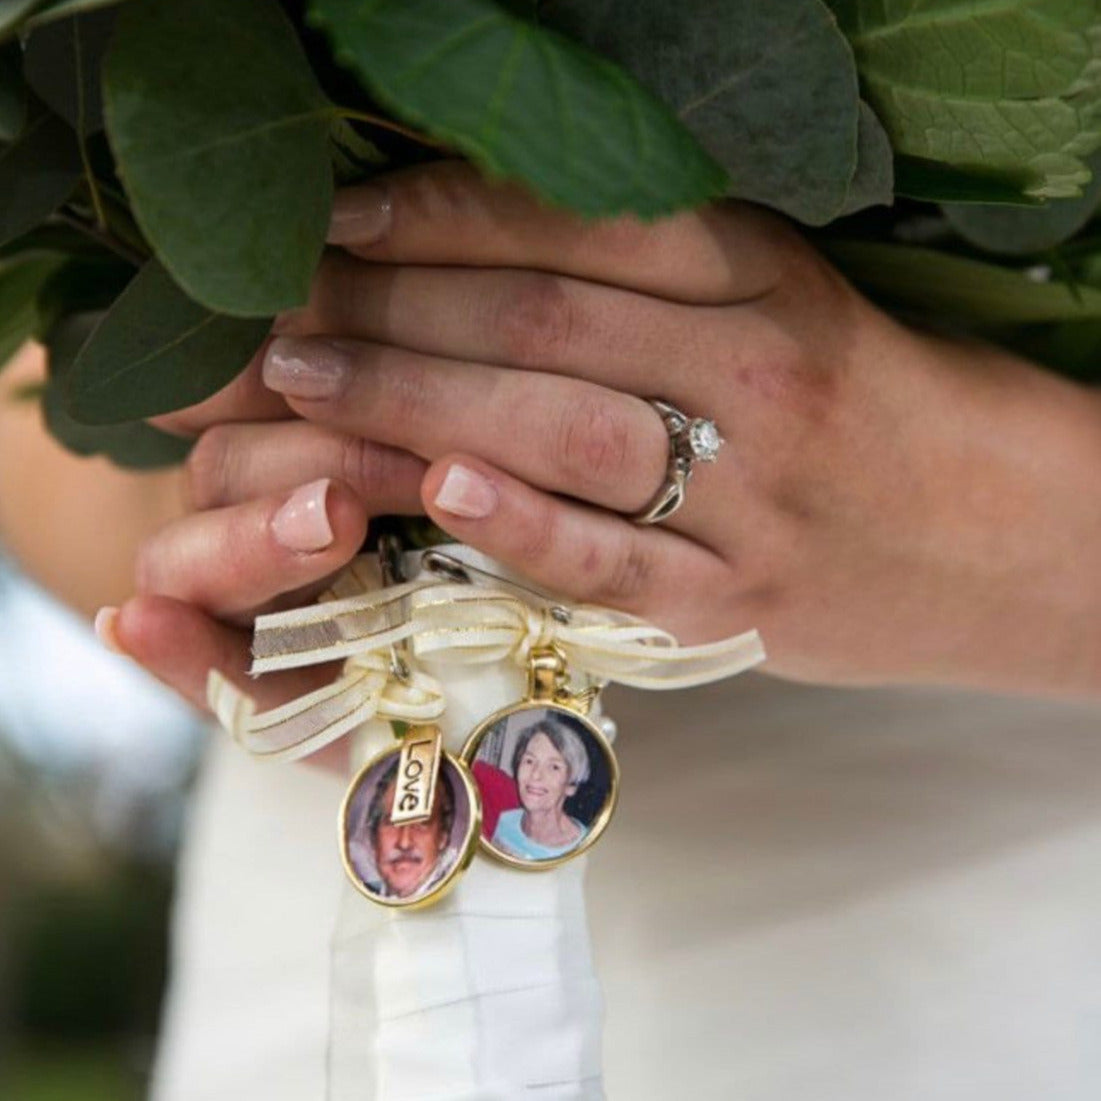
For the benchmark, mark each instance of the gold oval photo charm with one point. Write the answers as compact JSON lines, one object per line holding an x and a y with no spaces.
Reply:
{"x":409,"y":823}
{"x":548,"y":782}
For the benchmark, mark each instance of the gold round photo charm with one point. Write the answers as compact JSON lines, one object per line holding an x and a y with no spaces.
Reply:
{"x":409,"y":822}
{"x":545,"y":772}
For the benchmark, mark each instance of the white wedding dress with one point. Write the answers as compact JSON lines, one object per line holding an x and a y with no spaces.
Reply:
{"x":806,"y":893}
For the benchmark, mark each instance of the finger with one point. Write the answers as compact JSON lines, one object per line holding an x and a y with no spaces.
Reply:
{"x":244,"y":399}
{"x":446,"y":213}
{"x":233,"y":463}
{"x":503,"y":317}
{"x":581,"y":553}
{"x":230,"y":561}
{"x":563,"y":435}
{"x":179,"y":645}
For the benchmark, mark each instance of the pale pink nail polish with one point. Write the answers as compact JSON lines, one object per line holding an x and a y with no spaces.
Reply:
{"x":466,"y":493}
{"x":104,"y":626}
{"x":361,"y":215}
{"x":309,"y":369}
{"x":302,"y":524}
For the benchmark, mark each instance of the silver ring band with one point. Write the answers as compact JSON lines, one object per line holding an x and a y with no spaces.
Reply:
{"x":691,"y":440}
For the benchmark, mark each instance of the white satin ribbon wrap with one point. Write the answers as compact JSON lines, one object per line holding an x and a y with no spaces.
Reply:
{"x":441,"y":622}
{"x":492,"y":994}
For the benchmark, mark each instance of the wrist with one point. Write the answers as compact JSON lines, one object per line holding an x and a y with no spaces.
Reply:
{"x":1032,"y":441}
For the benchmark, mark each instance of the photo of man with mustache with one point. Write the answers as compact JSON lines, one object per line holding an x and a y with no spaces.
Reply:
{"x":411,"y":859}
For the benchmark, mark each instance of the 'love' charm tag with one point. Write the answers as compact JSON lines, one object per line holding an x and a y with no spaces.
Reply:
{"x":418,"y":769}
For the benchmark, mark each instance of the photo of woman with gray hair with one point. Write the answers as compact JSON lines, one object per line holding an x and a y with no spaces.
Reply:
{"x":550,"y":763}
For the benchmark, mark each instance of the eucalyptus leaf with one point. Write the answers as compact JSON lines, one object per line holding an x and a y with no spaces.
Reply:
{"x":63,"y":62}
{"x":13,"y":92}
{"x":728,"y":68}
{"x":873,"y":182}
{"x":21,"y":281}
{"x":38,"y":172}
{"x":354,"y":156}
{"x":157,"y":351}
{"x":12,"y":15}
{"x":221,"y":135}
{"x":939,"y":284}
{"x":1000,"y":86}
{"x":523,"y":102}
{"x":51,"y":10}
{"x":1003,"y":229}
{"x":49,"y":237}
{"x":85,"y":283}
{"x":134,"y":444}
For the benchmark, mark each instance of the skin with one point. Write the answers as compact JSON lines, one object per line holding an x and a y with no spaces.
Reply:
{"x":890,"y":507}
{"x":406,"y":855}
{"x":543,"y":782}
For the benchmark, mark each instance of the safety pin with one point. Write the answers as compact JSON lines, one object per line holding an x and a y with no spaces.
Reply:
{"x":447,"y":565}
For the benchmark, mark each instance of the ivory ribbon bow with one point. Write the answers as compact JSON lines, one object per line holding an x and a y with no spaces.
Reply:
{"x":443,"y":621}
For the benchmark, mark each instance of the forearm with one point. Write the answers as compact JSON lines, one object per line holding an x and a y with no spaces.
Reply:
{"x":74,"y":524}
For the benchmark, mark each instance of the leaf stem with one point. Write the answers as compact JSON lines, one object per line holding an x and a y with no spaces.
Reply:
{"x":382,"y":123}
{"x":97,"y":232}
{"x":81,"y":134}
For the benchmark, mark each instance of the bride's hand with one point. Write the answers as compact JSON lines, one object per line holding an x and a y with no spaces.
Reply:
{"x":888,"y":506}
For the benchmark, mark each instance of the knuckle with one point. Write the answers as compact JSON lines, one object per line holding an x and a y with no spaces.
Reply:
{"x":206,"y":469}
{"x":628,"y":569}
{"x":364,"y":467}
{"x":791,"y":372}
{"x":536,"y":318}
{"x":594,"y":440}
{"x":411,"y":390}
{"x":445,"y":193}
{"x":539,"y":537}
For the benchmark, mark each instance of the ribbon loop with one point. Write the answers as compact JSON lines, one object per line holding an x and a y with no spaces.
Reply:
{"x":441,"y":621}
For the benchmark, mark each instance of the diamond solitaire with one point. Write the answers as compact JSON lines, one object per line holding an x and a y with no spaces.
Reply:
{"x":704,"y":440}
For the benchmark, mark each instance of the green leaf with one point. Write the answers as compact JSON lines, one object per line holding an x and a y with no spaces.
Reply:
{"x":52,"y":10}
{"x":221,"y":135}
{"x":1015,"y":231}
{"x":13,"y":92}
{"x":932,"y":182}
{"x":940,"y":284}
{"x":523,"y":102}
{"x":1072,"y":347}
{"x":157,"y":351}
{"x":873,"y":182}
{"x":22,"y":279}
{"x":38,"y":172}
{"x":354,"y":156}
{"x":769,"y":89}
{"x":86,"y":282}
{"x":12,"y":15}
{"x":135,"y":444}
{"x":63,"y":61}
{"x":1011,"y":87}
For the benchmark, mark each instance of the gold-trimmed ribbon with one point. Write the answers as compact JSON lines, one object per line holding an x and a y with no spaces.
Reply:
{"x":443,"y":621}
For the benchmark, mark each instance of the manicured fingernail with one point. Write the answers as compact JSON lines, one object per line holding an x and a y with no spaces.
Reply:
{"x":305,"y":368}
{"x":361,"y":215}
{"x":302,"y":524}
{"x":104,"y":625}
{"x":466,"y":493}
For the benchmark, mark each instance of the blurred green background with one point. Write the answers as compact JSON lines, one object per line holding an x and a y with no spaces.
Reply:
{"x":95,"y":764}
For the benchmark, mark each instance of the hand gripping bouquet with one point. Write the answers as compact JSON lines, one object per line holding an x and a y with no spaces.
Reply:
{"x":941,"y":153}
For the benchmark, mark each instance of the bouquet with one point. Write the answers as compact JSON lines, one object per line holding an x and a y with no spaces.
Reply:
{"x":167,"y":169}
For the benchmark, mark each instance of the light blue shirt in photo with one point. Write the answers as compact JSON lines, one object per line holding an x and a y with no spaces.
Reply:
{"x":509,"y":836}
